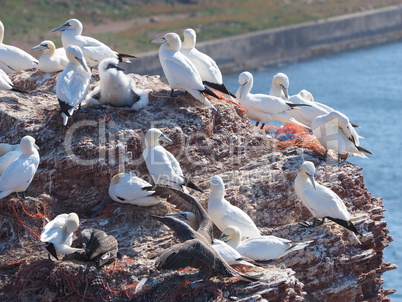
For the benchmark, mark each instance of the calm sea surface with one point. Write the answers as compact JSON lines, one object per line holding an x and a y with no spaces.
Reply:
{"x":366,"y":85}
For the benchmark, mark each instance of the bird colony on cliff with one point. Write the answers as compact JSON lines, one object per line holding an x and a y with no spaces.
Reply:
{"x":241,"y":242}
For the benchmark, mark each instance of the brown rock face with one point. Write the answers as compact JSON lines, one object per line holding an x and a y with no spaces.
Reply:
{"x":78,"y":161}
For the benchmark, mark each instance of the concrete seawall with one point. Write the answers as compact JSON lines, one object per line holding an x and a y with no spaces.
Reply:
{"x":291,"y":43}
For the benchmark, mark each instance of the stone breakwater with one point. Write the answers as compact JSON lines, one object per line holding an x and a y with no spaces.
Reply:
{"x":292,"y":43}
{"x":78,"y":161}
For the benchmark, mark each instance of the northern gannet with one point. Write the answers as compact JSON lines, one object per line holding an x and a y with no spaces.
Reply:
{"x":58,"y":234}
{"x":94,"y":51}
{"x":12,"y":58}
{"x":162,"y":165}
{"x":128,"y":188}
{"x":116,"y":88}
{"x":224,"y":214}
{"x":179,"y":71}
{"x":19,"y":173}
{"x":280,"y":86}
{"x":73,"y":83}
{"x":321,"y":201}
{"x":98,"y":246}
{"x":261,"y":248}
{"x":205,"y":65}
{"x":52,"y":59}
{"x":263,"y":108}
{"x":334,"y":131}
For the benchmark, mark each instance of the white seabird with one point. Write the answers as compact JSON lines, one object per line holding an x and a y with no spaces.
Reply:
{"x":263,"y":108}
{"x":94,"y":51}
{"x":8,"y":153}
{"x":162,"y":165}
{"x":128,"y":188}
{"x":321,"y":201}
{"x":224,"y":214}
{"x":179,"y":71}
{"x":334,"y":131}
{"x":116,"y":88}
{"x":58,"y":234}
{"x":205,"y":65}
{"x":52,"y":59}
{"x":261,"y":248}
{"x":6,"y":84}
{"x":19,"y":173}
{"x":228,"y":253}
{"x":280,"y":86}
{"x":73,"y":83}
{"x":12,"y":58}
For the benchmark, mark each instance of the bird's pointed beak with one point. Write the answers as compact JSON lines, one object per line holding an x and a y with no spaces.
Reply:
{"x":311,"y":176}
{"x":62,"y":27}
{"x":180,"y":216}
{"x":36,"y":147}
{"x":285,"y":91}
{"x":165,"y":138}
{"x":119,"y":68}
{"x":40,"y":47}
{"x":82,"y":63}
{"x":159,"y":40}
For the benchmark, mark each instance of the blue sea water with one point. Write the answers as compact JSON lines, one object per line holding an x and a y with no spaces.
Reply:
{"x":366,"y":85}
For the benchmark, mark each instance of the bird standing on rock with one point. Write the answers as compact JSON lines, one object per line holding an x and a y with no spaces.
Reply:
{"x":73,"y":83}
{"x":263,"y":108}
{"x":321,"y":201}
{"x":205,"y":65}
{"x":224,"y":214}
{"x":179,"y":71}
{"x":94,"y":51}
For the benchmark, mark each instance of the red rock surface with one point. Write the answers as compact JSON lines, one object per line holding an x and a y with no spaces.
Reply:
{"x":78,"y":161}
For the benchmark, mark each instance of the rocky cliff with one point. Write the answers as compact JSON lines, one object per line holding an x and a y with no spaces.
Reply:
{"x":78,"y":161}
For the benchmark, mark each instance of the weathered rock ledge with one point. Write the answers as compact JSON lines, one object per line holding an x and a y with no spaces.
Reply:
{"x":78,"y":161}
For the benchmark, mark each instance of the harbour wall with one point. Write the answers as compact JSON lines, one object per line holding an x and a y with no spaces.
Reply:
{"x":291,"y":43}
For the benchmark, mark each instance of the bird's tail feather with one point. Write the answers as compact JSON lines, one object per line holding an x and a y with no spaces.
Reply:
{"x":361,"y":149}
{"x":220,"y":87}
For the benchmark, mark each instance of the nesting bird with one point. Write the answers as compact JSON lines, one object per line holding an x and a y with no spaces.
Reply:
{"x":195,"y":249}
{"x":228,"y":253}
{"x":58,"y":234}
{"x":334,"y":131}
{"x":93,"y":50}
{"x":205,"y":65}
{"x":19,"y":173}
{"x":116,"y":88}
{"x":263,"y":108}
{"x":180,"y":71}
{"x":98,"y":246}
{"x":162,"y":165}
{"x":128,"y":188}
{"x":52,"y":59}
{"x":321,"y":201}
{"x":261,"y":248}
{"x":224,"y":214}
{"x":12,"y":58}
{"x":73,"y":83}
